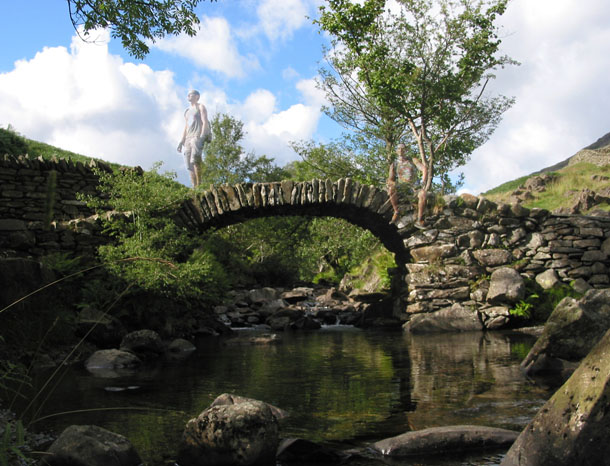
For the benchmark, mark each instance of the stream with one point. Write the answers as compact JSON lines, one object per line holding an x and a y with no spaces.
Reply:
{"x":342,"y":386}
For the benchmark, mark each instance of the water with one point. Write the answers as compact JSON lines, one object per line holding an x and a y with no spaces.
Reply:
{"x":342,"y":386}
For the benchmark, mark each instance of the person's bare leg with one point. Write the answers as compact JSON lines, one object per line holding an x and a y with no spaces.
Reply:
{"x":197,"y":170}
{"x":393,"y":200}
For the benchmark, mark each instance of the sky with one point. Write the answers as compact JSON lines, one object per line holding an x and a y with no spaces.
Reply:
{"x":258,"y":59}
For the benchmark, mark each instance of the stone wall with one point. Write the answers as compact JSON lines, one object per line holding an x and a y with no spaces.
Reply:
{"x":39,"y":209}
{"x":454,"y":260}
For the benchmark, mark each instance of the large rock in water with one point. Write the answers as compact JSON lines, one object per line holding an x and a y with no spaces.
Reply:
{"x":233,"y":434}
{"x":112,"y":363}
{"x":91,"y":446}
{"x":570,"y":332}
{"x":143,"y":342}
{"x":440,"y":440}
{"x":229,"y":399}
{"x":456,"y":318}
{"x":573,"y":427}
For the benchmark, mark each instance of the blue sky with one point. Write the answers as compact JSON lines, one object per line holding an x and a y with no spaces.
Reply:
{"x":258,"y":61}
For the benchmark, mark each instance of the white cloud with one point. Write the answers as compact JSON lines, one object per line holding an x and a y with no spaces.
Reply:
{"x":311,"y":94}
{"x":91,"y":102}
{"x":213,"y":48}
{"x":560,"y":89}
{"x":280,"y":18}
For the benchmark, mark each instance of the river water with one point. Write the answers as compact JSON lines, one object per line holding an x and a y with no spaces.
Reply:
{"x":342,"y":386}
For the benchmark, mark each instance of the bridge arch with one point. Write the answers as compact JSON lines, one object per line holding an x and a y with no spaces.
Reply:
{"x":363,"y":205}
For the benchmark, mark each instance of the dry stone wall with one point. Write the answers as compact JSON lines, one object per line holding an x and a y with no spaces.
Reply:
{"x":475,"y":255}
{"x":39,"y":209}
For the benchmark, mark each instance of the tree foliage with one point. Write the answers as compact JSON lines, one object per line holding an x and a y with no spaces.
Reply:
{"x":135,"y":22}
{"x":225,"y":160}
{"x":415,"y":74}
{"x":150,"y":250}
{"x":352,"y":156}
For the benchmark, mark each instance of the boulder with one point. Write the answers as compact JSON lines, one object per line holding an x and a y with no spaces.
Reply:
{"x":143,"y":342}
{"x":572,"y":329}
{"x":441,"y":440}
{"x":228,"y":399}
{"x":456,"y":318}
{"x":297,"y":294}
{"x":547,"y":279}
{"x":180,"y":346}
{"x":505,"y":286}
{"x":233,"y":435}
{"x":91,"y":446}
{"x":573,"y":427}
{"x":271,"y":307}
{"x":112,"y":362}
{"x":262,"y":295}
{"x":284,"y":318}
{"x":493,"y":257}
{"x":433,"y":253}
{"x":495,"y":317}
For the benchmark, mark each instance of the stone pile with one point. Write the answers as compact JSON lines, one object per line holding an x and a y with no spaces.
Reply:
{"x":302,"y":308}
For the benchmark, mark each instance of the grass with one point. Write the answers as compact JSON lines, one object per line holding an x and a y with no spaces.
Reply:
{"x":561,"y":191}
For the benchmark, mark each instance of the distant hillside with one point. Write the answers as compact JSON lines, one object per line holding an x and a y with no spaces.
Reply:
{"x":599,"y":149}
{"x":579,"y":184}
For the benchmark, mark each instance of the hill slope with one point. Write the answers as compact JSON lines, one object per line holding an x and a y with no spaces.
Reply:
{"x":579,"y":184}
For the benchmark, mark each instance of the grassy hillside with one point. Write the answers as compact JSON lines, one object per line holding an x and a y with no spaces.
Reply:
{"x":561,"y":188}
{"x":14,"y":144}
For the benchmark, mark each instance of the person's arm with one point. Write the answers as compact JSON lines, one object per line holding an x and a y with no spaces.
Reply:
{"x":181,"y":143}
{"x":204,"y":120}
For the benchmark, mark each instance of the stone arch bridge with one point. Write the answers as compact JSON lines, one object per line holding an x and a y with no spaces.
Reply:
{"x":362,"y":205}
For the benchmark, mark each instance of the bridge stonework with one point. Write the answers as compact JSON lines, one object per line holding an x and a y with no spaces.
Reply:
{"x":362,"y":205}
{"x":446,"y":264}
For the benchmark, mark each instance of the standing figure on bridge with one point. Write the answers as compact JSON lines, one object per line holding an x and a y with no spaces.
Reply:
{"x":402,"y":170}
{"x":196,"y":132}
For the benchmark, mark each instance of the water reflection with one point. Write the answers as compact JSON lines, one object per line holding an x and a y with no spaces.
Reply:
{"x":347,"y":386}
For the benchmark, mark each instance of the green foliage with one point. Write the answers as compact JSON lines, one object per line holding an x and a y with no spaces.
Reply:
{"x":12,"y":143}
{"x":524,"y":307}
{"x":62,"y":263}
{"x":509,"y":186}
{"x":12,"y":376}
{"x":416,"y":74}
{"x":13,"y":444}
{"x":540,"y":303}
{"x":135,"y":22}
{"x":143,"y":230}
{"x":351,"y":157}
{"x":225,"y":161}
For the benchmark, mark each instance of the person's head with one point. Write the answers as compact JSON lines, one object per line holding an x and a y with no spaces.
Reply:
{"x":401,"y":150}
{"x":193,"y":95}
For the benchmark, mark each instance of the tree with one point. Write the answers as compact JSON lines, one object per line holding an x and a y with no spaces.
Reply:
{"x":135,"y":21}
{"x":416,"y":74}
{"x":225,"y":160}
{"x":352,"y":156}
